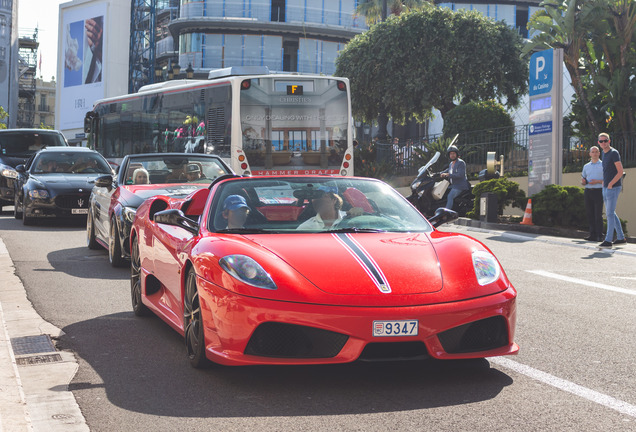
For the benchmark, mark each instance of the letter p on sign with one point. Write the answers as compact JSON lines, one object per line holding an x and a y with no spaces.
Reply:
{"x":540,"y":66}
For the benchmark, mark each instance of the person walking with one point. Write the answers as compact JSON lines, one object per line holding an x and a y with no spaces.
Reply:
{"x":456,"y":175}
{"x":592,"y":180}
{"x":612,"y":186}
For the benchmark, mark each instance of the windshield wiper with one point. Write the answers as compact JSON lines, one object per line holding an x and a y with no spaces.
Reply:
{"x":243,"y":231}
{"x":355,"y":230}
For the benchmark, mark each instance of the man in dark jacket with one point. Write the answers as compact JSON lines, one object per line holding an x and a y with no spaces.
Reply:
{"x":456,"y":175}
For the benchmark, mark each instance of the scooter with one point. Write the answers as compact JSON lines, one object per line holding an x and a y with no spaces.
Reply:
{"x":429,"y":192}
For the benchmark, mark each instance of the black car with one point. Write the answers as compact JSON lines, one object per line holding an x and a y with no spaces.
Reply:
{"x":57,"y":182}
{"x":16,"y":146}
{"x":114,"y":200}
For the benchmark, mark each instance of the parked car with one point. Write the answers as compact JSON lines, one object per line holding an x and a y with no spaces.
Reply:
{"x":16,"y":146}
{"x":114,"y":200}
{"x":57,"y":182}
{"x":313,"y":270}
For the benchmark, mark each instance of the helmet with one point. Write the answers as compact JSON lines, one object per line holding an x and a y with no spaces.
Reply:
{"x":452,"y":148}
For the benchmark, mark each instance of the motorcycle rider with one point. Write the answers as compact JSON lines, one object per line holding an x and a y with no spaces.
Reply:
{"x":456,"y":175}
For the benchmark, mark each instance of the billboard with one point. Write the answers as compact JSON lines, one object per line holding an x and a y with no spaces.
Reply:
{"x":83,"y":60}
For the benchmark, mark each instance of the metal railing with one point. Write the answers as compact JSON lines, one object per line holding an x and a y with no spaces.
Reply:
{"x":511,"y":142}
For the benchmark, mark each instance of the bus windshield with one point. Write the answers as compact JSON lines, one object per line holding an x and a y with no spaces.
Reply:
{"x":294,"y":126}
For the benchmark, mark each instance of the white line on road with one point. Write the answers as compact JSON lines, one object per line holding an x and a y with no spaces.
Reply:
{"x":584,"y":392}
{"x":582,"y":282}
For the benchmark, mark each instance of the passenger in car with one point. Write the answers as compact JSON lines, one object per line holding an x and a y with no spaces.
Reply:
{"x":328,"y":205}
{"x":235,"y":211}
{"x":140,"y":176}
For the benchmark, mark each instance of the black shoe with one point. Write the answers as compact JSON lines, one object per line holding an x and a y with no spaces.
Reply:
{"x":619,"y":242}
{"x":605,"y":244}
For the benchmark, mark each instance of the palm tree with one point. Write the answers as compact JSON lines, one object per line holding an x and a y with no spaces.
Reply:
{"x":372,"y":9}
{"x":565,"y":24}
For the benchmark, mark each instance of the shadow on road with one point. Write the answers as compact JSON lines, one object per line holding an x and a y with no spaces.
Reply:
{"x":143,"y":368}
{"x":83,"y":262}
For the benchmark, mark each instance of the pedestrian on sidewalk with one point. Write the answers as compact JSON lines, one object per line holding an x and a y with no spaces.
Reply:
{"x":592,"y":180}
{"x":612,"y":186}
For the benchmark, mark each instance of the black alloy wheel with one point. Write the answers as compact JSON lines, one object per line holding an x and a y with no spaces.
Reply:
{"x":139,"y":308}
{"x":16,"y":213}
{"x":193,"y":323}
{"x":91,"y":241}
{"x":26,"y":220}
{"x":114,"y":246}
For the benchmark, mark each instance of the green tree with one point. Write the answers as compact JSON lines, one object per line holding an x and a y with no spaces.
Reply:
{"x":372,"y":9}
{"x":565,"y":25}
{"x":432,"y":58}
{"x":3,"y":118}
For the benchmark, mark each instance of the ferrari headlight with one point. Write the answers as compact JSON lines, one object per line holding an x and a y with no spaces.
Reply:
{"x":247,"y":270}
{"x":129,"y":214}
{"x":486,"y":267}
{"x":39,"y":193}
{"x":9,"y":173}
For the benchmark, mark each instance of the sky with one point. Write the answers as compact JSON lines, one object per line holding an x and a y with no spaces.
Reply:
{"x":44,"y":15}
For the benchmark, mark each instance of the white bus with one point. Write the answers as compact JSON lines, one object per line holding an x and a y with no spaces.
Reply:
{"x":262,"y":123}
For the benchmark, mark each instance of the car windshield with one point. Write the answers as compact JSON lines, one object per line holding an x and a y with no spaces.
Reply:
{"x":173,"y":169}
{"x":312,"y":205}
{"x":24,"y":144}
{"x":70,"y":162}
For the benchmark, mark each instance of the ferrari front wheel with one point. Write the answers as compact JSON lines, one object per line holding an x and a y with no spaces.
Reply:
{"x":193,"y":323}
{"x":139,"y":308}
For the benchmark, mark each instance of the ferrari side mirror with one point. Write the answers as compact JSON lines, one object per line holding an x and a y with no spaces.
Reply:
{"x":442,"y":216}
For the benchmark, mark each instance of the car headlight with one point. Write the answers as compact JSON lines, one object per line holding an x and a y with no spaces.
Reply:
{"x":247,"y":270}
{"x":9,"y":173}
{"x":39,"y":193}
{"x":486,"y":267}
{"x":129,"y":214}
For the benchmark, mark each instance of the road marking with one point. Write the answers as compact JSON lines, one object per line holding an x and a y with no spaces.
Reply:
{"x":582,"y":282}
{"x":584,"y":392}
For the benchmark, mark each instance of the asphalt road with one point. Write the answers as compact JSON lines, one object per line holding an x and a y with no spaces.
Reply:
{"x":575,"y":371}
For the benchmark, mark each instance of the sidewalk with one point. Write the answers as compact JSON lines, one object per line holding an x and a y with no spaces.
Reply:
{"x":34,"y":376}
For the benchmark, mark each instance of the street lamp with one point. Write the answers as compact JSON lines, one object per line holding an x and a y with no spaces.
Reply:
{"x":177,"y":69}
{"x":189,"y":71}
{"x":158,"y":73}
{"x":170,"y":73}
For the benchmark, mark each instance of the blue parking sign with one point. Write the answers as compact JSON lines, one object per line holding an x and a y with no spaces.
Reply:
{"x":541,"y":72}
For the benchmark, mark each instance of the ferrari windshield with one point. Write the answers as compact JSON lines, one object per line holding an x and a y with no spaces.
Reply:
{"x":187,"y":168}
{"x":311,"y":204}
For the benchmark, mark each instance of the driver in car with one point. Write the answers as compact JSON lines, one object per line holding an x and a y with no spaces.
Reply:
{"x":328,"y":205}
{"x":235,"y":211}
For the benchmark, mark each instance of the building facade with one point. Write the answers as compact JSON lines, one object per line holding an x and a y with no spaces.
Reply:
{"x":44,"y":103}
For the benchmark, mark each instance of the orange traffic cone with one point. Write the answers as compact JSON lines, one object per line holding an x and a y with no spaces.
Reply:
{"x":527,"y":215}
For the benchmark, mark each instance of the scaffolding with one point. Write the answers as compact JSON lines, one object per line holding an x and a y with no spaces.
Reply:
{"x":27,"y":69}
{"x":142,"y":44}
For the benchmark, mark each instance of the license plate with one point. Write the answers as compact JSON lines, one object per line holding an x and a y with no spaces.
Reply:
{"x":79,"y":211}
{"x":395,"y":328}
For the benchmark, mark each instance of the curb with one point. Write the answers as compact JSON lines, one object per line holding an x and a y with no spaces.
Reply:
{"x":34,"y":377}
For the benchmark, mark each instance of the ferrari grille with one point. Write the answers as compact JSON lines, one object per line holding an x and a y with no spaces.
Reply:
{"x":273,"y":339}
{"x":482,"y":335}
{"x":380,"y":351}
{"x":71,"y":201}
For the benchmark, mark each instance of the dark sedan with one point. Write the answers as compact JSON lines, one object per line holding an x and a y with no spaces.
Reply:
{"x":57,"y":182}
{"x":114,"y":200}
{"x":16,"y":146}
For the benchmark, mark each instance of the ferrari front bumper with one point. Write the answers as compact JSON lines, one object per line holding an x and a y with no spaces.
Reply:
{"x":243,"y":330}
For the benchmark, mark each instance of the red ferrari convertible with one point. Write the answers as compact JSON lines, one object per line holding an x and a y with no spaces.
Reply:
{"x":308,"y":270}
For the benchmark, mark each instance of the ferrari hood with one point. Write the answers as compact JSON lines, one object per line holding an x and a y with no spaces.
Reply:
{"x":134,"y":195}
{"x":361,"y":264}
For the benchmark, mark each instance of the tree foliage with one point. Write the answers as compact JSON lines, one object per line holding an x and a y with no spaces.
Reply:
{"x":598,"y":41}
{"x":3,"y":118}
{"x":475,"y":116}
{"x":432,"y":58}
{"x":372,"y":9}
